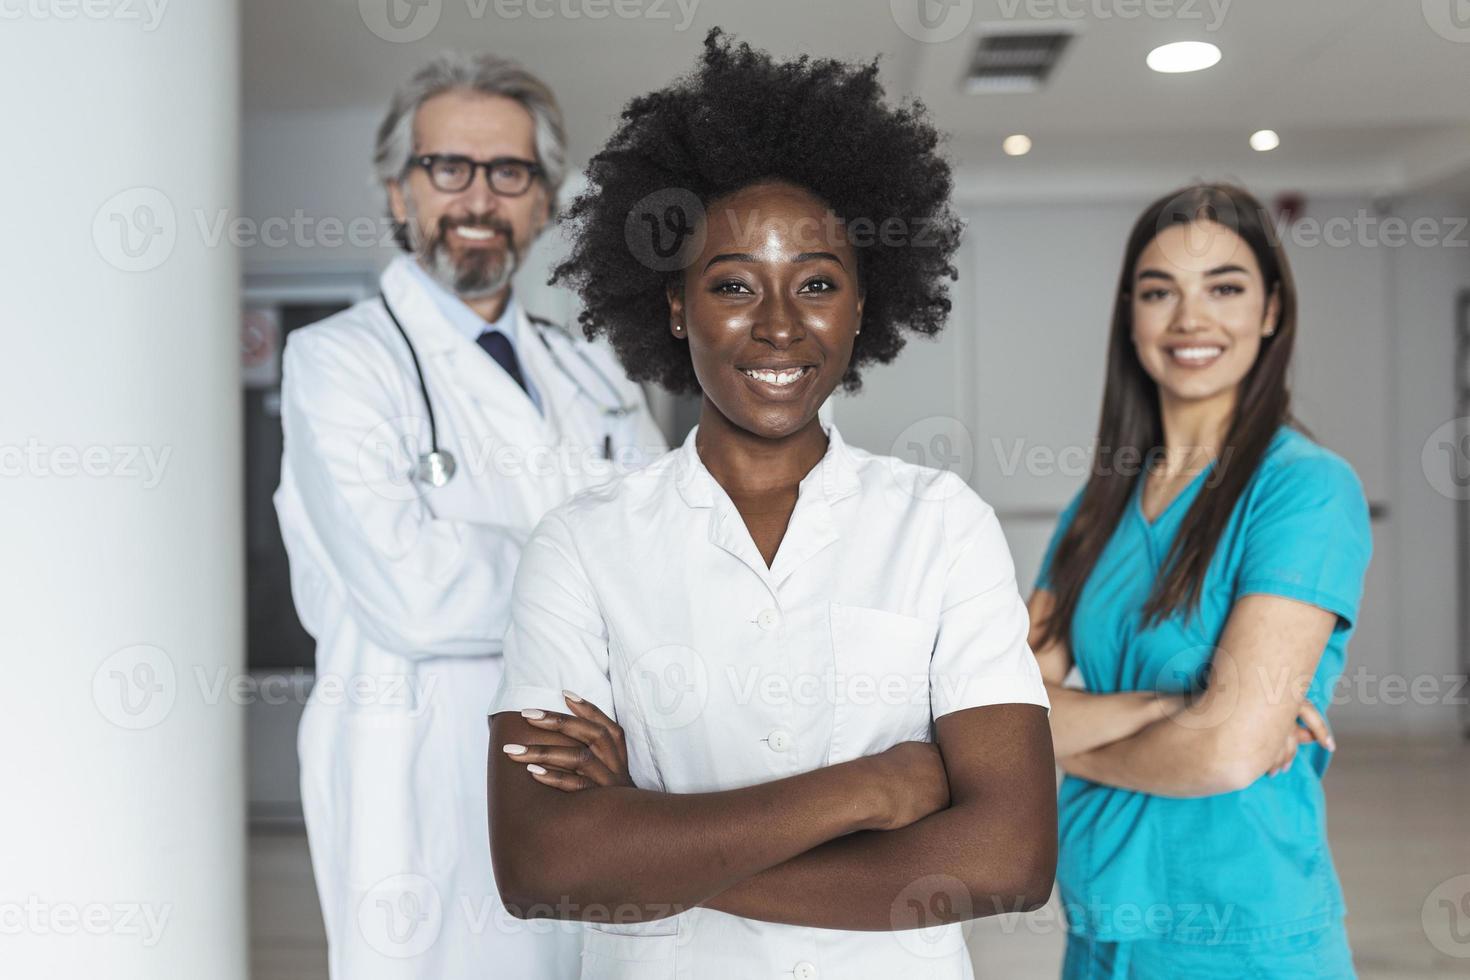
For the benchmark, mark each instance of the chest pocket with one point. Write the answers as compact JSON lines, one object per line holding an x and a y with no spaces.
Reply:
{"x":881,"y":680}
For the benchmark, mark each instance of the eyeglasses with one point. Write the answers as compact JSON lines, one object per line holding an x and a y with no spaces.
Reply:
{"x":452,"y":173}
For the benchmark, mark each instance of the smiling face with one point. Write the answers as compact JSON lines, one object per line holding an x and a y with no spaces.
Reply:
{"x":770,"y":308}
{"x":1200,"y":307}
{"x":471,"y":241}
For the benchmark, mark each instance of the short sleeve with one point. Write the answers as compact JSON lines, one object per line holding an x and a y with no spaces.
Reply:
{"x":1043,"y":577}
{"x":557,"y":639}
{"x":1307,"y":536}
{"x":980,"y":653}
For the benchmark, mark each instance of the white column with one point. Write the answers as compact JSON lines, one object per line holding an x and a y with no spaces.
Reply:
{"x":122,"y":828}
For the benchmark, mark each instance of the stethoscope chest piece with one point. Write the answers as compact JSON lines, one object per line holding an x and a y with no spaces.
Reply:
{"x":435,"y":468}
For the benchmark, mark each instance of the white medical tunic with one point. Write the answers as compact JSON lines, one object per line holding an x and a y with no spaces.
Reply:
{"x":891,"y":601}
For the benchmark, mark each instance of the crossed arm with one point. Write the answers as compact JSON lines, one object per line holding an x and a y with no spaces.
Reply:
{"x":955,"y":833}
{"x":1240,"y":728}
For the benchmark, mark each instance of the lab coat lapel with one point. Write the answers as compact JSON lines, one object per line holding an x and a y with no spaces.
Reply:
{"x":538,"y":368}
{"x":500,"y":400}
{"x":814,"y":525}
{"x":431,"y":333}
{"x":726,"y":529}
{"x":474,"y":375}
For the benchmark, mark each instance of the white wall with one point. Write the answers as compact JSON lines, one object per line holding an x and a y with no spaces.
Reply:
{"x":1420,"y":572}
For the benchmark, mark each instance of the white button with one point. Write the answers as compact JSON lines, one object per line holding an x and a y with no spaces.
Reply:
{"x":768,"y":619}
{"x":779,"y":740}
{"x":805,"y":971}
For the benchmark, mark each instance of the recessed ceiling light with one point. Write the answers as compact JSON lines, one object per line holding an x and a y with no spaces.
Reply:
{"x":1264,"y":140}
{"x":1017,"y":146}
{"x":1182,"y":56}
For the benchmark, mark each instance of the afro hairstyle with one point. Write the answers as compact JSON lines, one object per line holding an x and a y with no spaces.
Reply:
{"x":738,"y":119}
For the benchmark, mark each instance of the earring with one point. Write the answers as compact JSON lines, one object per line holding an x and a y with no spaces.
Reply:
{"x":678,"y":328}
{"x":1269,"y":332}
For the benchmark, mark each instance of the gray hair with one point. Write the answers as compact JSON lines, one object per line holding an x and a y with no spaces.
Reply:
{"x":488,"y":75}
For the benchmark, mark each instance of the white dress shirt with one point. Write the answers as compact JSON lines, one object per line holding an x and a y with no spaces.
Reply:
{"x":891,"y":601}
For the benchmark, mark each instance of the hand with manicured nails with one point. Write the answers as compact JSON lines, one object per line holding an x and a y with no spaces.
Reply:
{"x":908,"y":779}
{"x":600,"y":760}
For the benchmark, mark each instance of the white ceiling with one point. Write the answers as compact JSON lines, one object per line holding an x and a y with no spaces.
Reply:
{"x":1366,"y":94}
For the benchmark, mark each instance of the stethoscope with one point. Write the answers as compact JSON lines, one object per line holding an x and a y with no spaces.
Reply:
{"x":437,"y":466}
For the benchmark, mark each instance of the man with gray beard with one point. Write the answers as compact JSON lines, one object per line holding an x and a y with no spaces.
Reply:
{"x":426,"y":432}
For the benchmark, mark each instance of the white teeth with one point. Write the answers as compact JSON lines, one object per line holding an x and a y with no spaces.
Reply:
{"x":1197,"y":353}
{"x":475,"y":234}
{"x":784,"y":377}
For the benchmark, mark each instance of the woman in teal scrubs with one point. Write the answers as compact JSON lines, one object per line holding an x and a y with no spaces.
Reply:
{"x":1204,"y":583}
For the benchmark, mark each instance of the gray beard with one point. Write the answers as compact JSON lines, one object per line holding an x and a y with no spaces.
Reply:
{"x":475,"y":278}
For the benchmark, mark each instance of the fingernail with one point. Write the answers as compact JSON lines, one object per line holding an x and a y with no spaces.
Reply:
{"x":534,"y":714}
{"x":571,"y":697}
{"x":1331,"y":744}
{"x":533,"y":768}
{"x":512,"y":748}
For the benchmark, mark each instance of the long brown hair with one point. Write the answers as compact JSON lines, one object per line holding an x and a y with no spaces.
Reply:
{"x":1131,"y":422}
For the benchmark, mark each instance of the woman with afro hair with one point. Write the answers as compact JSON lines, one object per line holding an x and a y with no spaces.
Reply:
{"x":768,"y":709}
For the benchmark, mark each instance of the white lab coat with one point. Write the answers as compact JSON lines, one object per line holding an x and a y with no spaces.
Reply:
{"x":406,"y":589}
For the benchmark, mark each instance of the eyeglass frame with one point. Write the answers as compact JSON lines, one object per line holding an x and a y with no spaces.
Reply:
{"x":427,"y":161}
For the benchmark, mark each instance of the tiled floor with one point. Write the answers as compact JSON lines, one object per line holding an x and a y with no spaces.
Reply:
{"x":1399,"y":815}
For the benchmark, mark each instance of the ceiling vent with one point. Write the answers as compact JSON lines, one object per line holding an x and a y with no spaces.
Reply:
{"x":1014,"y":61}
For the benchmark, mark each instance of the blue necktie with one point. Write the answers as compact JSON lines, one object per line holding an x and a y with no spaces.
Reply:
{"x":498,"y":346}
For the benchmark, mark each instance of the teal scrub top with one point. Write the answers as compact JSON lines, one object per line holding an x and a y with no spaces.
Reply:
{"x":1245,"y":866}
